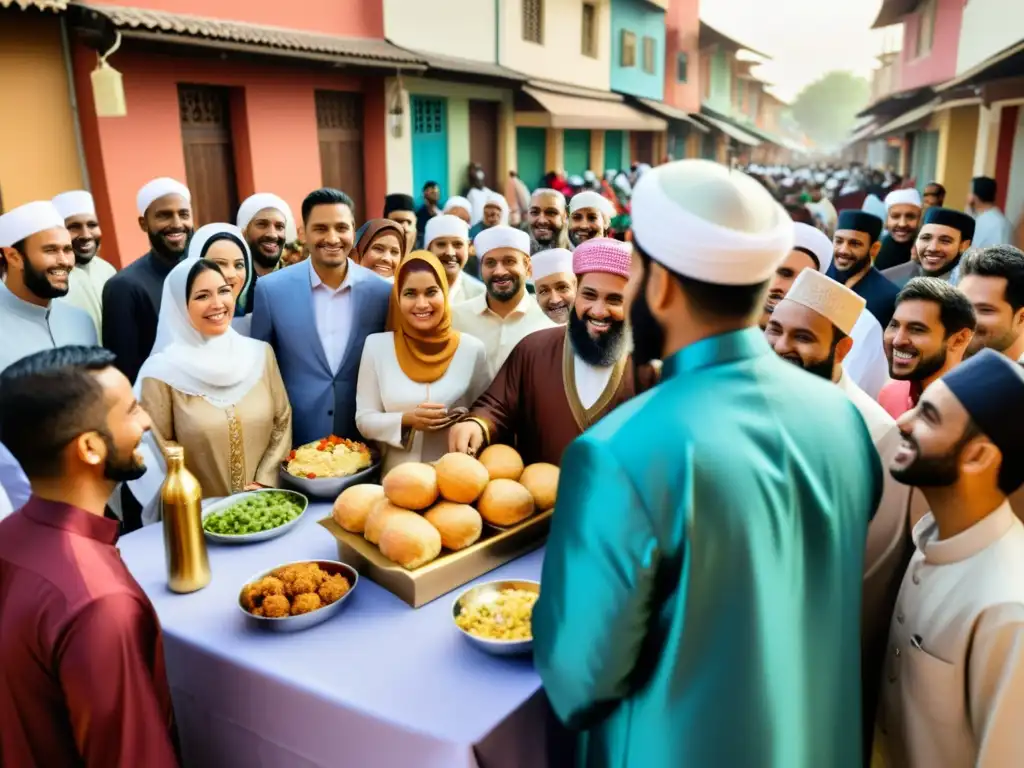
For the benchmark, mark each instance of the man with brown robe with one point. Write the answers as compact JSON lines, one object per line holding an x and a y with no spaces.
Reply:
{"x":524,"y":406}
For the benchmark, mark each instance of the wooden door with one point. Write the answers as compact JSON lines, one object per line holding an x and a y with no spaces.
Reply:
{"x":643,"y":147}
{"x":430,"y":146}
{"x":339,"y":127}
{"x":483,"y":140}
{"x":209,"y":155}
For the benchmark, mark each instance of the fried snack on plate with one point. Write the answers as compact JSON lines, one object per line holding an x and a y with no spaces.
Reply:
{"x":333,"y":589}
{"x":276,"y":606}
{"x":306,"y":603}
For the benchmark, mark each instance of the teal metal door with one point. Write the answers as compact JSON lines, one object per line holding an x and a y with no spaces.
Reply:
{"x":530,"y":150}
{"x":577,"y":152}
{"x":429,"y":144}
{"x":924,"y":157}
{"x":612,"y":152}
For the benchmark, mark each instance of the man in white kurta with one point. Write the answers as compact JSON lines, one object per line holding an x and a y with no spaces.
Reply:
{"x":953,"y":687}
{"x":91,"y":272}
{"x":447,"y":237}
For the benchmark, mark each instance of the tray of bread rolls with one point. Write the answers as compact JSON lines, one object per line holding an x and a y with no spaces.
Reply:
{"x":428,"y":529}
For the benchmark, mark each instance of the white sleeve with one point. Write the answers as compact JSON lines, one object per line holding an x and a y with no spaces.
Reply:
{"x":372,"y":421}
{"x":995,"y":679}
{"x":866,"y":364}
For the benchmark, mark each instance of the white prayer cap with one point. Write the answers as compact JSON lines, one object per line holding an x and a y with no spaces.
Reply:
{"x":497,"y":199}
{"x":814,"y":240}
{"x":26,"y":220}
{"x":501,"y":237}
{"x":903,"y":197}
{"x":458,"y":202}
{"x":551,"y":262}
{"x":702,"y":220}
{"x":158,"y":188}
{"x":835,"y":302}
{"x":590,"y":199}
{"x":260,"y":202}
{"x":74,"y":203}
{"x":445,"y":225}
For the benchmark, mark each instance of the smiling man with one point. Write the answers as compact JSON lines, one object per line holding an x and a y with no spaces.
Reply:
{"x":39,"y":256}
{"x":903,"y":219}
{"x":555,"y":283}
{"x":263,"y":219}
{"x":545,"y":221}
{"x":590,"y":216}
{"x":524,"y":405}
{"x":131,"y":298}
{"x":993,"y":281}
{"x":927,"y":337}
{"x":91,"y":272}
{"x":855,"y":245}
{"x":447,"y":237}
{"x":944,"y":237}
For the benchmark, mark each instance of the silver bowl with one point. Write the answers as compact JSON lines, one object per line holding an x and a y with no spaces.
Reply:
{"x":303,"y":620}
{"x":329,"y":487}
{"x":485,"y":593}
{"x":251,"y":538}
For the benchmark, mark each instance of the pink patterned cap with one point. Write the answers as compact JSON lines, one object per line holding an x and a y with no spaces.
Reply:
{"x":602,"y":254}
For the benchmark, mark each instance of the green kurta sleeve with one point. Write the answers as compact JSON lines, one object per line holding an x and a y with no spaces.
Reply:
{"x":598,"y":581}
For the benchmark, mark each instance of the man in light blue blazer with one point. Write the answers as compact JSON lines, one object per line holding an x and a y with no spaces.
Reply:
{"x":316,"y":315}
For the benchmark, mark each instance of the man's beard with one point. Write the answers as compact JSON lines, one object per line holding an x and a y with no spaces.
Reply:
{"x":999,"y":343}
{"x":588,"y":234}
{"x":37,"y":282}
{"x":823,"y":368}
{"x":517,"y":283}
{"x":117,"y":468}
{"x":258,"y":256}
{"x":648,"y":335}
{"x":943,"y":270}
{"x":547,"y":242}
{"x":81,"y":259}
{"x":926,"y":368}
{"x":603,"y":351}
{"x":842,"y":275}
{"x":162,"y":249}
{"x":930,"y":471}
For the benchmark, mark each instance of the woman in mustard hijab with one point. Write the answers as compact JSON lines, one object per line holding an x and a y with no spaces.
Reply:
{"x":419,"y":377}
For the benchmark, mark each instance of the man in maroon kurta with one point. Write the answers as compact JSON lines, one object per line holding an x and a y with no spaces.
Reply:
{"x":82,"y":679}
{"x":557,"y":382}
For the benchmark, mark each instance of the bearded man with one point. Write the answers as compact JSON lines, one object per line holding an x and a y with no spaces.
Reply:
{"x":545,"y":220}
{"x":91,"y":272}
{"x":903,"y":219}
{"x":944,"y":237}
{"x":263,"y":219}
{"x":590,"y":216}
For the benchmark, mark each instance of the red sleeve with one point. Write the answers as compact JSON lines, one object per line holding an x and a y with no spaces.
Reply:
{"x":499,"y":405}
{"x":111,"y":668}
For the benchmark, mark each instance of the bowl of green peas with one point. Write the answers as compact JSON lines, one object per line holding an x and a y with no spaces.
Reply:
{"x":252,"y":516}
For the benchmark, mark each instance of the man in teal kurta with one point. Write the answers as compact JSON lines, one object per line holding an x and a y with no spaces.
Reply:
{"x":700,"y":599}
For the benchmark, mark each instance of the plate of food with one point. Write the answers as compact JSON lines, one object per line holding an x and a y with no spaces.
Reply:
{"x":252,"y":516}
{"x":296,"y":596}
{"x":326,"y":467}
{"x":496,"y":616}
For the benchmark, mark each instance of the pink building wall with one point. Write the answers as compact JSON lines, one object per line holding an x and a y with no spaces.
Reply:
{"x":682,"y":32}
{"x":940,"y":63}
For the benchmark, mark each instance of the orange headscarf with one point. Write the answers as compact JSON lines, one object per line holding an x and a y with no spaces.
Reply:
{"x":423,"y":357}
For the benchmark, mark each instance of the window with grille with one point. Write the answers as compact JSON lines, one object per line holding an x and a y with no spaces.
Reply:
{"x":627,"y":57}
{"x":649,"y":45}
{"x":533,"y":21}
{"x":428,"y":116}
{"x":681,"y":66}
{"x":589,"y":30}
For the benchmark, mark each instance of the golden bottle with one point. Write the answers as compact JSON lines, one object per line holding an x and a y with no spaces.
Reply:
{"x":188,"y":568}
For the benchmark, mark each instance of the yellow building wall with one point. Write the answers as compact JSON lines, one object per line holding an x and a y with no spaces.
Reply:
{"x":38,"y":149}
{"x":554,"y":150}
{"x":958,"y":134}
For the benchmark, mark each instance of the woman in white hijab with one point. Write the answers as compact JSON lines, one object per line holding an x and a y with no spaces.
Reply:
{"x":211,"y":390}
{"x":224,"y":245}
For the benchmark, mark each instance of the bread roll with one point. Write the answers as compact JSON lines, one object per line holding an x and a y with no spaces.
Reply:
{"x":505,"y":502}
{"x":459,"y":524}
{"x":502,"y":462}
{"x":412,"y":485}
{"x":461,"y":478}
{"x":379,"y":515}
{"x":409,"y":540}
{"x":352,"y":507}
{"x":541,"y":480}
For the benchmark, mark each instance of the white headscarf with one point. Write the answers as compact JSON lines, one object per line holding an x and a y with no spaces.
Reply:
{"x":201,"y":241}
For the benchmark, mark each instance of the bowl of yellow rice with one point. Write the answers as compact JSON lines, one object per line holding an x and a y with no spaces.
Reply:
{"x":496,"y":616}
{"x":324,"y":468}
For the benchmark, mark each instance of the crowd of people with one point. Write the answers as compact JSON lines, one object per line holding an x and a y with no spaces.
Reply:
{"x":785,"y":419}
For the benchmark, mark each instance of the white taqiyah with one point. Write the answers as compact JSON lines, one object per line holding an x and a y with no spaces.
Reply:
{"x":814,"y":240}
{"x":30,"y":218}
{"x":78,"y":202}
{"x":157,"y":188}
{"x":551,"y":262}
{"x":444,"y":225}
{"x":591,"y":199}
{"x":499,"y":200}
{"x":704,"y":221}
{"x":833,"y":301}
{"x":458,"y":202}
{"x":501,"y":237}
{"x":261,"y":201}
{"x":903,"y":197}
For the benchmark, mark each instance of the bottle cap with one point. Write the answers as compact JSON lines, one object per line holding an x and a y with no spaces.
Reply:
{"x":174,"y":452}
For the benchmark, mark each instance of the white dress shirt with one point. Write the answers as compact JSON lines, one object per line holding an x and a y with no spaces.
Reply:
{"x":499,"y":334}
{"x":466,"y":287}
{"x":591,"y":380}
{"x":333,"y":311}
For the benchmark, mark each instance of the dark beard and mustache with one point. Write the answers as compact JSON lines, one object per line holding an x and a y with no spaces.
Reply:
{"x":930,"y":471}
{"x":117,"y":468}
{"x":842,"y":275}
{"x":267,"y":262}
{"x":927,"y":368}
{"x":601,"y":352}
{"x":823,"y":368}
{"x":82,"y":259}
{"x":517,"y":283}
{"x":648,"y":335}
{"x":162,"y":249}
{"x":37,"y":282}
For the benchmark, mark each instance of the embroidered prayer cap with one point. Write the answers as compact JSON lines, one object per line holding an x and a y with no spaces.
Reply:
{"x":903,"y":197}
{"x":26,"y":220}
{"x":859,"y":221}
{"x":398,"y":202}
{"x":458,"y":202}
{"x":501,"y":237}
{"x":990,"y":387}
{"x":444,"y":225}
{"x":261,"y":201}
{"x":815,"y":242}
{"x":75,"y":203}
{"x":706,"y":222}
{"x":947,"y":217}
{"x":157,"y":188}
{"x":551,"y":262}
{"x":833,"y":301}
{"x":602,"y":254}
{"x":591,"y":199}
